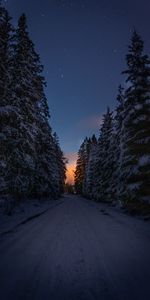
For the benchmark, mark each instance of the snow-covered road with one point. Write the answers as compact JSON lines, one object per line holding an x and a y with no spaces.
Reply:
{"x":79,"y":250}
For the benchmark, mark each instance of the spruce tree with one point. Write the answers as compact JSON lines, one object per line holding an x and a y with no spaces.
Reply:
{"x":43,"y":183}
{"x":6,"y":54}
{"x":136,"y":125}
{"x":60,"y":162}
{"x":29,"y":150}
{"x":90,"y":168}
{"x":87,"y":149}
{"x":9,"y":115}
{"x":118,"y":136}
{"x":25,"y":96}
{"x":41,"y":174}
{"x":105,"y":165}
{"x":81,"y":167}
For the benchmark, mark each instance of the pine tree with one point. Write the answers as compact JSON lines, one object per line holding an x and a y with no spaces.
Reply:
{"x":60,"y":165}
{"x":42,"y":147}
{"x":90,"y":168}
{"x":30,"y":154}
{"x":9,"y":115}
{"x":6,"y":54}
{"x":87,"y":149}
{"x":136,"y":125}
{"x":26,"y":96}
{"x":118,"y":142}
{"x":81,"y":167}
{"x":105,"y":165}
{"x":43,"y":179}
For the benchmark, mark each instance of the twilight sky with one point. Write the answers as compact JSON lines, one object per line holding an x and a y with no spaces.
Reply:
{"x":82,"y":44}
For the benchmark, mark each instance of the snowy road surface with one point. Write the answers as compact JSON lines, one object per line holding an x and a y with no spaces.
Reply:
{"x":79,"y":250}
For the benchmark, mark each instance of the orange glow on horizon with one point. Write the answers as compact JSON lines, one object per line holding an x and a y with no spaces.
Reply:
{"x":72,"y":157}
{"x":70,"y":173}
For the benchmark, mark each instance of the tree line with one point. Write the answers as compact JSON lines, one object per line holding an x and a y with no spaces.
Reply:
{"x":32,"y":163}
{"x":116,"y":166}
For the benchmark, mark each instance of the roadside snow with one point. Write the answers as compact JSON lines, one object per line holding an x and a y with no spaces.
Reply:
{"x":24,"y":212}
{"x":144,"y":160}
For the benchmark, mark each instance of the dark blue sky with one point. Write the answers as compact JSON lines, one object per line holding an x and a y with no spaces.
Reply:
{"x":82,"y":45}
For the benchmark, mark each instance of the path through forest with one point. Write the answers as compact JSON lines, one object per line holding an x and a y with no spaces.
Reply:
{"x":79,"y":250}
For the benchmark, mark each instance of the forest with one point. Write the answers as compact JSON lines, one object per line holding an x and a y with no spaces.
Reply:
{"x":115,"y":168}
{"x":32,"y":163}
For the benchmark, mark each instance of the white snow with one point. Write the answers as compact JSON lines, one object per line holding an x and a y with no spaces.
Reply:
{"x":22,"y":212}
{"x":138,"y":106}
{"x":144,"y":160}
{"x":134,"y":186}
{"x":147,"y":101}
{"x":79,"y":250}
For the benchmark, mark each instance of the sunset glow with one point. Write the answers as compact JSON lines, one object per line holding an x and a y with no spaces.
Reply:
{"x":71,"y":167}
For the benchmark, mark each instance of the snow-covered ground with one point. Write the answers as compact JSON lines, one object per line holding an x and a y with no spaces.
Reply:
{"x":77,"y":250}
{"x":24,"y":212}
